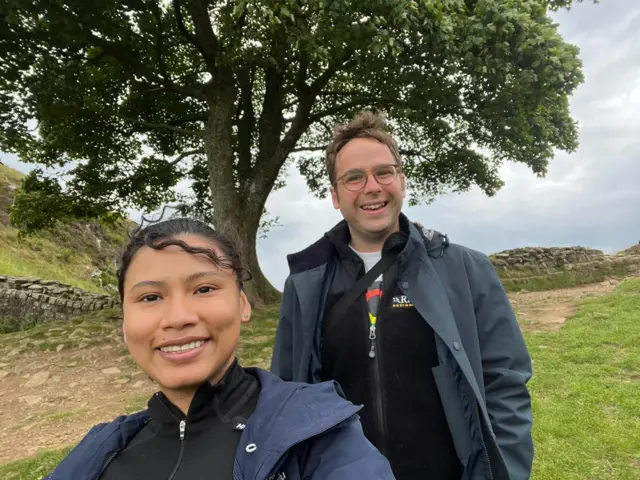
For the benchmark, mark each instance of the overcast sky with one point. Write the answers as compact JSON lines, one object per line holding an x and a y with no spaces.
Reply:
{"x":590,"y":198}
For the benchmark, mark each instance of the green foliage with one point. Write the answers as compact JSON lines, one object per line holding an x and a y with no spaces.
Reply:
{"x":136,"y":97}
{"x":70,"y":253}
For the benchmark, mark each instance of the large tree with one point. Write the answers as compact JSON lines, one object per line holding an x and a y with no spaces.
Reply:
{"x":133,"y":97}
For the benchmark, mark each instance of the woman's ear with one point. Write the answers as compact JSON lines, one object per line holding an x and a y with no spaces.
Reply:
{"x":245,"y":308}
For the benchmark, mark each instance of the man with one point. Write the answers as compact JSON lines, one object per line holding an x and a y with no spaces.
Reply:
{"x":430,"y":346}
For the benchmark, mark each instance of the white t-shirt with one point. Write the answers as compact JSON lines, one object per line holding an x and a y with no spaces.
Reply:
{"x":369,"y":259}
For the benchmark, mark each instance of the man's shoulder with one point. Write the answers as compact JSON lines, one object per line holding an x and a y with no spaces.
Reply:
{"x":315,"y":255}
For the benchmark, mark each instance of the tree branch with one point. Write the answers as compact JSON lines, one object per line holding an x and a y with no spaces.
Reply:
{"x":247,"y":121}
{"x":205,"y":39}
{"x":309,"y":148}
{"x":162,"y":127}
{"x":131,"y":67}
{"x":343,"y":63}
{"x":186,"y":154}
{"x":342,"y":107}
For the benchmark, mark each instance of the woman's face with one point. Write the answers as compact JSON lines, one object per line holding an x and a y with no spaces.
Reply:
{"x":182,"y":315}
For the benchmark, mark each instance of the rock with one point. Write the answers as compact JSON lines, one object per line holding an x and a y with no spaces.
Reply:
{"x":111,"y":371}
{"x":3,"y":374}
{"x":37,"y":380}
{"x":59,"y":347}
{"x":14,"y":352}
{"x":139,"y":384}
{"x":2,"y":365}
{"x":31,"y":400}
{"x":122,"y":381}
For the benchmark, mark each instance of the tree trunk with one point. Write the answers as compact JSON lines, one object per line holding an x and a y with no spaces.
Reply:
{"x":235,"y":214}
{"x":259,"y":289}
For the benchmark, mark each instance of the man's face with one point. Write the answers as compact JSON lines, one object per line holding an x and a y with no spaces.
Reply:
{"x":373,"y":211}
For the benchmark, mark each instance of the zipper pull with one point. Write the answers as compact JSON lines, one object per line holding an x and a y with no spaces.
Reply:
{"x":183,"y":427}
{"x":372,"y":337}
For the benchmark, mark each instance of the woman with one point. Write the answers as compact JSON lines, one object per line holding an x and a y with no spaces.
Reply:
{"x":180,"y":283}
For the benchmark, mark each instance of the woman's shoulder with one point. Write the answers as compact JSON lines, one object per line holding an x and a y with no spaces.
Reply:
{"x":88,"y":456}
{"x":314,"y":420}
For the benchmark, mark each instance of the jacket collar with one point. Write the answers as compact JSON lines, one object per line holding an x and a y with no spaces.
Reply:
{"x":287,"y":414}
{"x":325,"y":249}
{"x":222,"y":400}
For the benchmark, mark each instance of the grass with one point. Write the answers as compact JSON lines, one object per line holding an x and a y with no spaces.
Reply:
{"x":69,"y":253}
{"x":83,"y":331}
{"x":533,"y":280}
{"x":33,"y":468}
{"x":585,"y":389}
{"x":586,"y":392}
{"x":42,"y":257}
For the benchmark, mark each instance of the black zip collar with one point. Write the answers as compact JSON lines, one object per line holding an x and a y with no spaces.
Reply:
{"x":223,"y":400}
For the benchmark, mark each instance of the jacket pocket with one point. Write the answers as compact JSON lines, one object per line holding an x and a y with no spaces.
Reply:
{"x":454,"y":411}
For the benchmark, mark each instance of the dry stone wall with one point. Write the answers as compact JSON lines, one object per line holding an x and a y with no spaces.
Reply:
{"x":31,"y":300}
{"x":523,"y":265}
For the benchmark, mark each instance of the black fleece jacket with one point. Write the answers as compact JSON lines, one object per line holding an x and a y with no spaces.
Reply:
{"x":402,"y":412}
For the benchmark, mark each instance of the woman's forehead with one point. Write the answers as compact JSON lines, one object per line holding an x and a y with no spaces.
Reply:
{"x":174,"y":261}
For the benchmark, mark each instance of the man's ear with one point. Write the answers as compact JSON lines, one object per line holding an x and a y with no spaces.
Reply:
{"x":334,"y":198}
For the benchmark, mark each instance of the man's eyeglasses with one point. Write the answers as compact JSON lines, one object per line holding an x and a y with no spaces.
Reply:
{"x":356,"y":180}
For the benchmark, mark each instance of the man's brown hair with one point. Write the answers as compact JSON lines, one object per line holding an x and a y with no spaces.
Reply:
{"x":364,"y":125}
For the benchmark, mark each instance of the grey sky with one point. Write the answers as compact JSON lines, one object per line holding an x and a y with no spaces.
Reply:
{"x":590,"y":198}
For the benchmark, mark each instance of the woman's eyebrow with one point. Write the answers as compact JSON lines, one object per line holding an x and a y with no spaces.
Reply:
{"x":148,"y":283}
{"x":195,"y":276}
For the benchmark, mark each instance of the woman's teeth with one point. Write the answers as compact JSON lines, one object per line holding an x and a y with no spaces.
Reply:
{"x":182,"y":348}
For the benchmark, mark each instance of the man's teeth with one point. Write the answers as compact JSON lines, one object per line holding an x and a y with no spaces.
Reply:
{"x":183,"y":348}
{"x":373,"y":207}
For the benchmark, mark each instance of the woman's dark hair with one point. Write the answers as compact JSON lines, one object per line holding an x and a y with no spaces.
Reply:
{"x":164,"y":233}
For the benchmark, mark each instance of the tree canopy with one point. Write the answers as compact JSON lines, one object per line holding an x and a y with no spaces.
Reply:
{"x":132,"y":98}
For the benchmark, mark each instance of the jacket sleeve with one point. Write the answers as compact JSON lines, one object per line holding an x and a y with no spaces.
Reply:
{"x":282,"y":356}
{"x":344,"y":453}
{"x":506,"y":366}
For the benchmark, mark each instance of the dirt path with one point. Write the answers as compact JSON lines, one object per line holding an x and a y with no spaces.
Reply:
{"x":549,"y":310}
{"x":49,"y":399}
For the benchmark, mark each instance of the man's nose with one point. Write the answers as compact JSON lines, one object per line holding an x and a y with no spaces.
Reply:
{"x":372,"y":185}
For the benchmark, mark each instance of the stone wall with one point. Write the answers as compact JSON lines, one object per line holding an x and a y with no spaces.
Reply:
{"x":576,"y":264}
{"x":545,"y":257}
{"x":31,"y":300}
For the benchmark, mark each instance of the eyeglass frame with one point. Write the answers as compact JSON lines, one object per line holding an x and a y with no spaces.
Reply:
{"x":396,"y":168}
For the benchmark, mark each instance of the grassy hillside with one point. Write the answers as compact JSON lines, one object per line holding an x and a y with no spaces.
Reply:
{"x":70,"y":253}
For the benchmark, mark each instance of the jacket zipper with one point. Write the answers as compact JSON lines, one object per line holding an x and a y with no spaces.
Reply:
{"x":106,"y":464}
{"x":376,"y":372}
{"x":182,"y":428}
{"x":484,"y":445}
